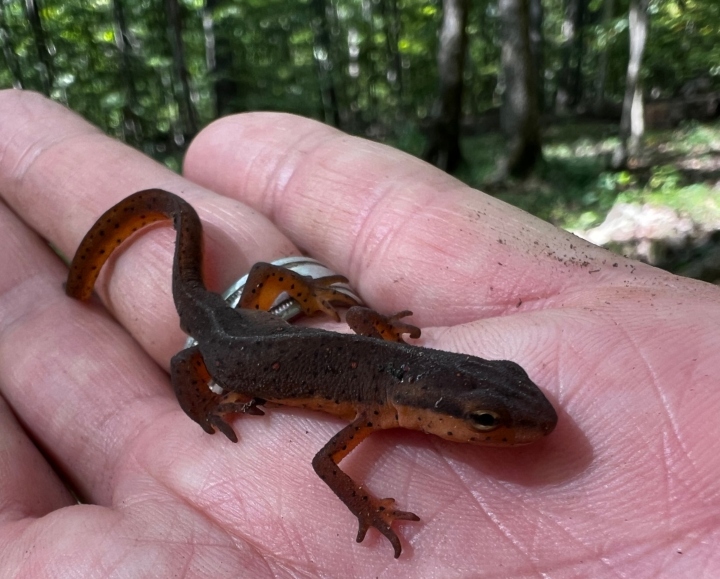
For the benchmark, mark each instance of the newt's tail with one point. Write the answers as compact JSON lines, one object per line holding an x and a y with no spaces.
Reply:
{"x":121,"y":221}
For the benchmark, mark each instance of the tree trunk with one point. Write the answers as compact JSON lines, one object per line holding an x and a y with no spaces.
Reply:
{"x":537,"y":49}
{"x":208,"y":25}
{"x":519,"y":115}
{"x":188,"y":114}
{"x":324,"y":63}
{"x":9,"y":55}
{"x":131,"y":125}
{"x":443,"y":148}
{"x":601,"y":79}
{"x":569,"y":77}
{"x":391,"y":20}
{"x":632,"y":126}
{"x":220,"y":54}
{"x":41,"y":45}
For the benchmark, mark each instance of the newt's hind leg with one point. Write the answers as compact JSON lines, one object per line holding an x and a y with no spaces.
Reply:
{"x":367,"y":322}
{"x":266,"y":282}
{"x":191,"y":380}
{"x":369,"y":510}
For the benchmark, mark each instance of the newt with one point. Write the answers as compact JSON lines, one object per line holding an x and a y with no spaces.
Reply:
{"x":373,"y":378}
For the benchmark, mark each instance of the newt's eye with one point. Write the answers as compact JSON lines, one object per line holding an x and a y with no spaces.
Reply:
{"x":484,"y":420}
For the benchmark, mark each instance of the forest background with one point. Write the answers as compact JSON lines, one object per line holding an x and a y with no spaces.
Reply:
{"x":597,"y":115}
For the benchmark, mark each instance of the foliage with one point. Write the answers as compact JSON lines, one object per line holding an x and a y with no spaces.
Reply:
{"x":379,"y":59}
{"x":273,"y":55}
{"x":576,"y":190}
{"x":683,"y":46}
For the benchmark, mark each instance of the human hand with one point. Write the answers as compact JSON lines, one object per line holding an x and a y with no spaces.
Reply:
{"x":627,"y":353}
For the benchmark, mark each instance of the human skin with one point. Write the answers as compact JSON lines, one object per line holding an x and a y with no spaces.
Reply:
{"x":627,"y":485}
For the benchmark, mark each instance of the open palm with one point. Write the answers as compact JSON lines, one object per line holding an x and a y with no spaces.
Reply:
{"x":628,"y":484}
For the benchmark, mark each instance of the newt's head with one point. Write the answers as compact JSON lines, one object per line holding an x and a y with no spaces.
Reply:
{"x":467,"y":399}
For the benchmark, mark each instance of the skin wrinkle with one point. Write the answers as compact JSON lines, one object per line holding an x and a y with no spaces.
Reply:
{"x":377,"y":250}
{"x":241,"y":541}
{"x":482,"y":506}
{"x":312,"y":184}
{"x":551,"y":521}
{"x":565,"y":359}
{"x":516,"y":290}
{"x":289,"y":569}
{"x":267,"y":192}
{"x":235,"y":550}
{"x":610,"y":567}
{"x":507,"y":304}
{"x":671,"y":422}
{"x":388,"y":571}
{"x":117,"y":413}
{"x":291,"y":163}
{"x":695,"y":460}
{"x":589,"y":551}
{"x":407,"y":485}
{"x":566,"y":351}
{"x":298,"y":549}
{"x":666,"y":480}
{"x":20,"y":167}
{"x":462,"y":339}
{"x":355,"y":258}
{"x":284,"y":174}
{"x":536,"y":299}
{"x":279,"y":507}
{"x":35,"y":149}
{"x":638,"y":553}
{"x":362,"y":149}
{"x":680,"y":471}
{"x":436,"y":446}
{"x":41,"y":151}
{"x":497,"y":308}
{"x":524,"y":550}
{"x":12,"y":312}
{"x":505,"y":532}
{"x":426,"y":534}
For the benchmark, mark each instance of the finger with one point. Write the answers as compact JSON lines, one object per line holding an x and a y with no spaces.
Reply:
{"x":409,"y":235}
{"x":75,"y":378}
{"x":28,"y":486}
{"x":59,"y":173}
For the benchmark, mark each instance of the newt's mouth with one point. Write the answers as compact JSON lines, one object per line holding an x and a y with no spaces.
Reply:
{"x":526,"y":435}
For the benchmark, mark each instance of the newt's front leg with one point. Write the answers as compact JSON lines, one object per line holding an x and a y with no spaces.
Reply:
{"x":367,"y":322}
{"x":369,"y":510}
{"x":191,"y":380}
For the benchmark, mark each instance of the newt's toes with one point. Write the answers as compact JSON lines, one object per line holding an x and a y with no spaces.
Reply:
{"x":381,"y":516}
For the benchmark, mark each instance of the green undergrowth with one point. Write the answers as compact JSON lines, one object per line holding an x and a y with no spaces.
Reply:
{"x":575,"y":189}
